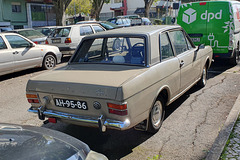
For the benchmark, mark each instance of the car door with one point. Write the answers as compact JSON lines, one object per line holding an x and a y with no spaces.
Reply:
{"x":25,"y":53}
{"x":189,"y":66}
{"x":170,"y":65}
{"x":6,"y":58}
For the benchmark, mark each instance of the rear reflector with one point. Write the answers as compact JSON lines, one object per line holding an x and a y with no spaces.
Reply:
{"x":52,"y":120}
{"x":116,"y":106}
{"x":33,"y":100}
{"x":118,"y":112}
{"x":203,"y":3}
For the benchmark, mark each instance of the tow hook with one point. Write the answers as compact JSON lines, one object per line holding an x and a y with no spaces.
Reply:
{"x":101,"y":125}
{"x":40,"y":110}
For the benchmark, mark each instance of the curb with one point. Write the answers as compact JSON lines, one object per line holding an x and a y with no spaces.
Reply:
{"x":220,"y":142}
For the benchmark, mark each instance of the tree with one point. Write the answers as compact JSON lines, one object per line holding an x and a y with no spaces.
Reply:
{"x":79,"y":6}
{"x":97,"y":7}
{"x":148,"y":4}
{"x":60,"y":8}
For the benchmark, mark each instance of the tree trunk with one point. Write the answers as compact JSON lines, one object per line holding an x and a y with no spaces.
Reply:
{"x":60,"y":8}
{"x":148,"y":4}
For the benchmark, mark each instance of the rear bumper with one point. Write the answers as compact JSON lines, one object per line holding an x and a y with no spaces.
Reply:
{"x":109,"y":123}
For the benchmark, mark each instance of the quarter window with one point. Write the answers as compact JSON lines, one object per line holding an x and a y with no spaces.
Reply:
{"x":16,"y":7}
{"x":85,"y":30}
{"x":178,"y":41}
{"x":165,"y":47}
{"x":97,"y":28}
{"x":17,"y":42}
{"x":2,"y":44}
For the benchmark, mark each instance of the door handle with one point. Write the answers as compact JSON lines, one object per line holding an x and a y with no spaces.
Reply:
{"x":16,"y":52}
{"x":181,"y":63}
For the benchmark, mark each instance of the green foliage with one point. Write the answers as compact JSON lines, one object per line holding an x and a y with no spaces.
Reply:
{"x":81,"y":6}
{"x":156,"y":157}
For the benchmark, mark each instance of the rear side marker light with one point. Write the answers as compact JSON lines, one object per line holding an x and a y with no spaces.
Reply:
{"x":33,"y":100}
{"x":46,"y":42}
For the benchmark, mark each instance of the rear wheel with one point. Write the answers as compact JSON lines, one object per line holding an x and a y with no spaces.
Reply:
{"x":235,"y":59}
{"x":156,"y":116}
{"x":203,"y":81}
{"x":49,"y":62}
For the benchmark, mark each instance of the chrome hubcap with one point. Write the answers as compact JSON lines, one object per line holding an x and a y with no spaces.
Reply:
{"x":156,"y":114}
{"x":204,"y":76}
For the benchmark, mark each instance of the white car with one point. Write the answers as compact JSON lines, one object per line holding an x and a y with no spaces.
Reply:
{"x":19,"y":53}
{"x":67,"y":38}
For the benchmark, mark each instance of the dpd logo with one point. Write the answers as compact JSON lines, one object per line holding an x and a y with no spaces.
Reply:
{"x":189,"y":16}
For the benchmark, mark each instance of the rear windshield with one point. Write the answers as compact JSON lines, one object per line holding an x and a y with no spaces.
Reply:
{"x":114,"y":50}
{"x":61,"y":32}
{"x":31,"y":33}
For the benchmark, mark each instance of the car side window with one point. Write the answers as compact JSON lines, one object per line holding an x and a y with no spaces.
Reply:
{"x":17,"y":41}
{"x":179,"y":41}
{"x":2,"y":44}
{"x":85,"y":30}
{"x":119,"y":22}
{"x":97,"y":28}
{"x":165,"y":47}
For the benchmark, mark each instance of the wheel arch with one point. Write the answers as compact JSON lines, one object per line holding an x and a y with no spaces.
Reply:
{"x":48,"y":53}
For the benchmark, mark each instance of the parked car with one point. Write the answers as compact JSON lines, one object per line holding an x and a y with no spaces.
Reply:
{"x":46,"y":30}
{"x":121,"y":87}
{"x":120,"y":21}
{"x":107,"y":25}
{"x":19,"y":53}
{"x":146,"y":21}
{"x":67,"y":38}
{"x":34,"y":35}
{"x":24,"y":142}
{"x":4,"y":29}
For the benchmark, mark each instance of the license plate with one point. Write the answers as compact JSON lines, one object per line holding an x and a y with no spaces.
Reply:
{"x":75,"y":104}
{"x":195,"y":39}
{"x":56,"y":41}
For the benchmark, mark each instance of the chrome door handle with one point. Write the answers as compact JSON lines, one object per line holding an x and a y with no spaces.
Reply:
{"x":181,"y":63}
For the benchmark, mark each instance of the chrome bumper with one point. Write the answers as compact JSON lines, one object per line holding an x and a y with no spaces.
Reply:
{"x":109,"y":123}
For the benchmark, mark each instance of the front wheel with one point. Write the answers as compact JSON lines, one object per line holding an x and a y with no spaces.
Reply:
{"x":156,"y":116}
{"x":235,"y":59}
{"x":203,"y":81}
{"x":49,"y":62}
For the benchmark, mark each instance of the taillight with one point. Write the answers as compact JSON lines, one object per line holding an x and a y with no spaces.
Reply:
{"x":68,"y":40}
{"x":118,"y":109}
{"x":46,"y":42}
{"x":35,"y":42}
{"x":32,"y":98}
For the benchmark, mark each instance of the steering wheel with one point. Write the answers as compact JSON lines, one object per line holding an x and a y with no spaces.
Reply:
{"x":140,"y":44}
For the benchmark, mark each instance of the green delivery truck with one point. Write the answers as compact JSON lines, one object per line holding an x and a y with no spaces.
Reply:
{"x":214,"y":23}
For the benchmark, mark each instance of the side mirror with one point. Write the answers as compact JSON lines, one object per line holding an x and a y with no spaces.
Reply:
{"x":200,"y":46}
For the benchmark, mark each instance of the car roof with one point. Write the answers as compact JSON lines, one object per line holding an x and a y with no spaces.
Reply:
{"x":8,"y":33}
{"x":25,"y":29}
{"x":135,"y":30}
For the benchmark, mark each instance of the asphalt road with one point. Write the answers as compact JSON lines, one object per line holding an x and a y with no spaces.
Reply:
{"x":191,"y":125}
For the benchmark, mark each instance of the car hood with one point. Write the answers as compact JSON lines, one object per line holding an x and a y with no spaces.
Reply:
{"x":101,"y":81}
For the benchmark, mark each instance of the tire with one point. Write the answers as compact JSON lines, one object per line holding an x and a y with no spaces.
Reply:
{"x":49,"y":62}
{"x":203,"y":81}
{"x":156,"y":116}
{"x":235,"y":59}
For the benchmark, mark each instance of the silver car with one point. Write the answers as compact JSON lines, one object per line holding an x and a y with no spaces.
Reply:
{"x":122,"y":78}
{"x":19,"y":53}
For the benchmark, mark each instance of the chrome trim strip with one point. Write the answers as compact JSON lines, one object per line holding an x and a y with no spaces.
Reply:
{"x":115,"y":124}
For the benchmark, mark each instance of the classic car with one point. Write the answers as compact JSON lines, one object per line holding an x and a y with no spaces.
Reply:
{"x":24,"y":142}
{"x":121,"y":78}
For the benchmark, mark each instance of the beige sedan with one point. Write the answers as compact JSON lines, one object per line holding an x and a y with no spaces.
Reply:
{"x":121,"y":79}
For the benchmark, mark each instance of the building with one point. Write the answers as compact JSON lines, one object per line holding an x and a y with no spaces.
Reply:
{"x":18,"y":14}
{"x":129,"y":7}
